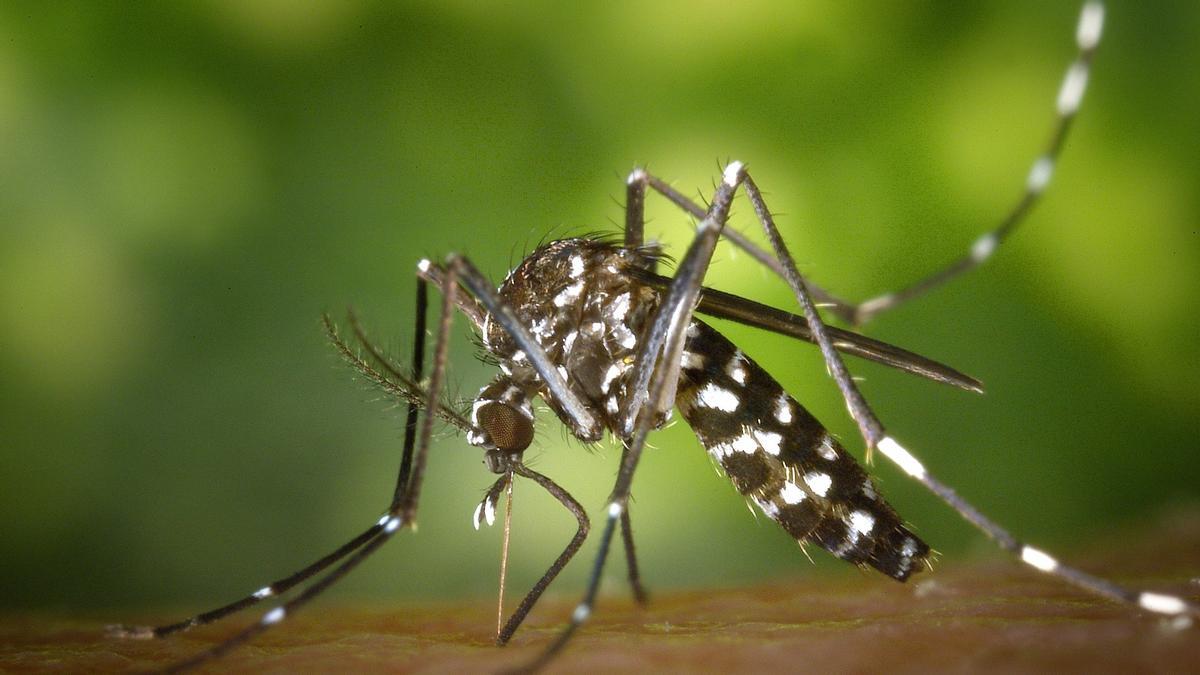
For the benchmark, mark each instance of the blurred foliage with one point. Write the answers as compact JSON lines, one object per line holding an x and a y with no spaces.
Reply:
{"x":184,"y":187}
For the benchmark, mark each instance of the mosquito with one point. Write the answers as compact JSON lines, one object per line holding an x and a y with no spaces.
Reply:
{"x":589,"y":326}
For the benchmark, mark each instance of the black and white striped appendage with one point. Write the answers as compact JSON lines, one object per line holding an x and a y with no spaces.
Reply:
{"x":388,"y":522}
{"x":1067,"y":102}
{"x":1070,"y":96}
{"x":1036,"y":558}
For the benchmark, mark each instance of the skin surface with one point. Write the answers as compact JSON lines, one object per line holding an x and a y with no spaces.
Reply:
{"x":984,"y":616}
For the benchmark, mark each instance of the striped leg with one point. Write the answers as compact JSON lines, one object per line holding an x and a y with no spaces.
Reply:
{"x":390,"y":523}
{"x":1155,"y":602}
{"x":876,"y":437}
{"x":1070,"y":96}
{"x":639,"y":180}
{"x":402,"y":386}
{"x":272,"y":589}
{"x":402,"y":511}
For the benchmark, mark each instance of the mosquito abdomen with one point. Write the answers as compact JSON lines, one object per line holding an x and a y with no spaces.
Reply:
{"x":777,"y":454}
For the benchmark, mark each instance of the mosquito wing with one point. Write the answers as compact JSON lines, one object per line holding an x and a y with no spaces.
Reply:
{"x":736,"y":308}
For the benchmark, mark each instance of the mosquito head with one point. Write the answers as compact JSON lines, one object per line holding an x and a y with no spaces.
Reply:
{"x":505,"y":428}
{"x":502,"y":418}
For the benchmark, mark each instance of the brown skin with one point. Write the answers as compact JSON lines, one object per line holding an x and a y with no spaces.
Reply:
{"x":989,"y":616}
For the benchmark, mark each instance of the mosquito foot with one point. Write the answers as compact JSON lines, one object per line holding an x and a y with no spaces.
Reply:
{"x":123,"y":632}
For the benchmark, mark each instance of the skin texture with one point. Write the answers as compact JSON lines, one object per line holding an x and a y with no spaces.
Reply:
{"x":984,"y":616}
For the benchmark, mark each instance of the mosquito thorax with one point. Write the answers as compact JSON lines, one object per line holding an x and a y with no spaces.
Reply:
{"x":587,"y":313}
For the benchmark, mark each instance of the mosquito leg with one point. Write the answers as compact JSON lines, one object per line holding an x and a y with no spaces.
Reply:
{"x":843,"y":309}
{"x":631,"y":563}
{"x":285,"y":584}
{"x":1040,"y":560}
{"x":435,"y":275}
{"x":406,"y":503}
{"x":277,"y":587}
{"x":559,"y":563}
{"x":673,"y":314}
{"x":1070,"y":95}
{"x":860,"y":412}
{"x":876,"y":437}
{"x":418,"y":364}
{"x":279,"y":613}
{"x":635,"y":208}
{"x":402,"y":511}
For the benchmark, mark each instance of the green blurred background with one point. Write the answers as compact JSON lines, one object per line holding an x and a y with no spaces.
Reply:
{"x":185,"y":187}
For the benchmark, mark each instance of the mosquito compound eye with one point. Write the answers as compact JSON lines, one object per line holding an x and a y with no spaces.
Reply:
{"x":508,"y":428}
